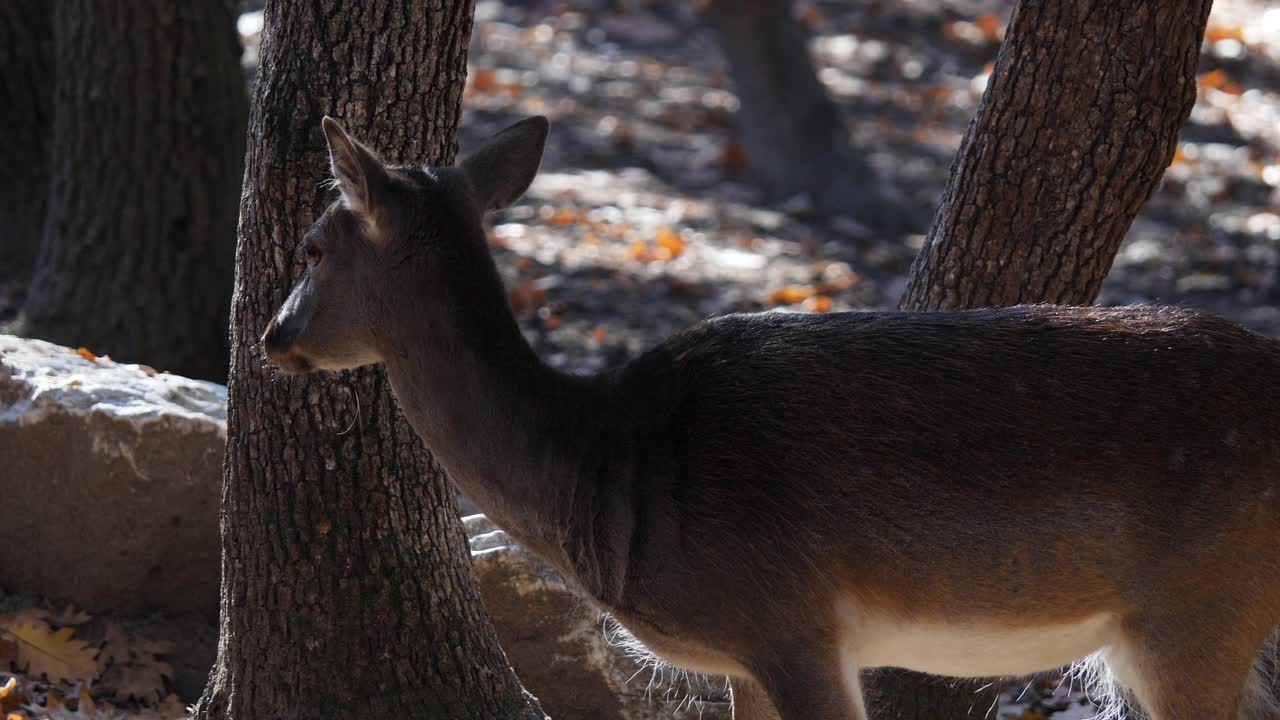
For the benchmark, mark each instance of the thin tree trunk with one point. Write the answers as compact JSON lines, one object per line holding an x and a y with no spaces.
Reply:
{"x":1079,"y":121}
{"x":26,"y":93}
{"x":148,"y":134}
{"x":347,"y":588}
{"x":795,"y":139}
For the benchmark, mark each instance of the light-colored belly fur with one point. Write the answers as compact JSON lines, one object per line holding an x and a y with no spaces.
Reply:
{"x":873,"y":638}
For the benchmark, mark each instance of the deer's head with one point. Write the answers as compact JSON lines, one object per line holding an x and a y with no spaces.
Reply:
{"x":358,"y":251}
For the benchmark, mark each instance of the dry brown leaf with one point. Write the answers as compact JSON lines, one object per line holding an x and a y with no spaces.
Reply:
{"x":484,"y":81}
{"x":69,"y":614}
{"x":55,"y":655}
{"x":8,"y":650}
{"x":30,"y":616}
{"x":11,"y":696}
{"x":734,"y":156}
{"x":169,"y":709}
{"x":130,"y":666}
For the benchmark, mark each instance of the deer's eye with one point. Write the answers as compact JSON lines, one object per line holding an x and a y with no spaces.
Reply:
{"x":313,"y":253}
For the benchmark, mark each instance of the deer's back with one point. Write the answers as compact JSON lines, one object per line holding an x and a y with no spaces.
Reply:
{"x":919,"y":453}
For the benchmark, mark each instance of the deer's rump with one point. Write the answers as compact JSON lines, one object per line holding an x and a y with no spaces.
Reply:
{"x":986,"y":459}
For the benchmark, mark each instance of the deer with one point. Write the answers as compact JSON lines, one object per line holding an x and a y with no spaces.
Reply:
{"x":787,"y":499}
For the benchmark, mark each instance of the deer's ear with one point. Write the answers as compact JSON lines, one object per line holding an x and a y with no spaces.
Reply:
{"x":359,"y":172}
{"x":501,"y":170}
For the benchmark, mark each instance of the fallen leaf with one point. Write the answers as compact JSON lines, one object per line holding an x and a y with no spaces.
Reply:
{"x":55,"y":655}
{"x":640,"y":251}
{"x":71,"y":616}
{"x":734,"y":156}
{"x":668,"y":239}
{"x":1215,"y":33}
{"x":818,"y":304}
{"x":83,"y":352}
{"x":791,"y":294}
{"x":991,"y":27}
{"x":131,"y":666}
{"x":484,"y":81}
{"x":11,"y":696}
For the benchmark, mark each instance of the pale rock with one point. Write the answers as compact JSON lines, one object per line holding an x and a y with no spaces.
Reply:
{"x":110,"y":478}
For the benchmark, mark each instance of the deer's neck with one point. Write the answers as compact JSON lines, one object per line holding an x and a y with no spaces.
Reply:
{"x":529,"y":445}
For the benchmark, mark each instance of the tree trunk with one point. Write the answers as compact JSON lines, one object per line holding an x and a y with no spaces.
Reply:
{"x":148,"y":134}
{"x":347,"y":588}
{"x":26,"y":81}
{"x":795,"y":140}
{"x":1079,"y":121}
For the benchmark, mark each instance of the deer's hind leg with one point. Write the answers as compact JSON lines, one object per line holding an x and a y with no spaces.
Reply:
{"x":800,"y":685}
{"x":750,"y":700}
{"x":1197,"y":666}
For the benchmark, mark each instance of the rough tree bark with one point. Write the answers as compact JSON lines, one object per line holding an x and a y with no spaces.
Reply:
{"x":347,"y":588}
{"x":148,"y":138}
{"x":793,"y":134}
{"x":1078,"y":123}
{"x":26,"y":81}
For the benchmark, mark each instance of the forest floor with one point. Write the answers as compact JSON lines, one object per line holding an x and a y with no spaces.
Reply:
{"x":644,"y":219}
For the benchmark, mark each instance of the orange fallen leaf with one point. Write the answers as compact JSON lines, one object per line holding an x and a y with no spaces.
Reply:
{"x":484,"y":81}
{"x":991,"y":27}
{"x":564,"y":216}
{"x":791,"y":294}
{"x":669,"y":240}
{"x":83,"y":352}
{"x":11,"y":697}
{"x":1181,"y":158}
{"x":591,"y":239}
{"x":818,"y":304}
{"x":640,"y":251}
{"x":552,"y":321}
{"x":1214,"y":33}
{"x":598,"y":333}
{"x":1214,"y":79}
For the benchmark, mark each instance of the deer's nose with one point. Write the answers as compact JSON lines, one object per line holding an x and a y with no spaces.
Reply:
{"x":278,"y":338}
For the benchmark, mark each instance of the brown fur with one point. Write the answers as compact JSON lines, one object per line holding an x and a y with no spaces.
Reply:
{"x":724,"y":494}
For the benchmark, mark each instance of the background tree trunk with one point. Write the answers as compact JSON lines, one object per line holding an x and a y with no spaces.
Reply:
{"x":148,"y":133}
{"x":347,"y":588}
{"x":26,"y":92}
{"x":795,"y":139}
{"x":1078,"y":123}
